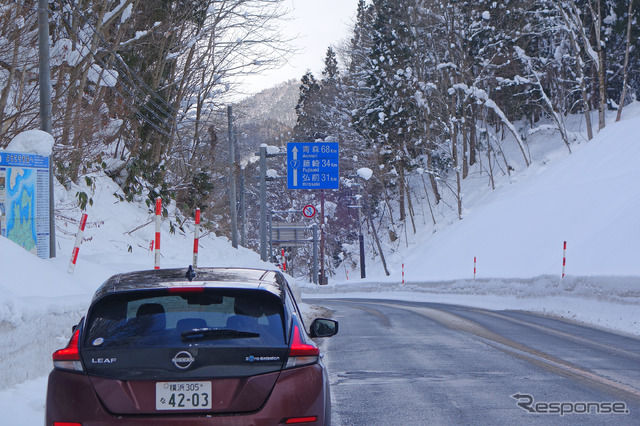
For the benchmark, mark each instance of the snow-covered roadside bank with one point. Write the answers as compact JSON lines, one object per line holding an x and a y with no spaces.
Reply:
{"x":23,"y":404}
{"x":610,"y":303}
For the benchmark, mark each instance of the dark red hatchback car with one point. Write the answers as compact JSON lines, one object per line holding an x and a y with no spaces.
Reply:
{"x":211,"y":346}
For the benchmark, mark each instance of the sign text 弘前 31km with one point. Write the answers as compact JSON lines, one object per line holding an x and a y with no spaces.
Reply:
{"x":313,"y":165}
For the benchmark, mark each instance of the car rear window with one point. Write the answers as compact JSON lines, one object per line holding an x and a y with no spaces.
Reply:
{"x":209,"y":317}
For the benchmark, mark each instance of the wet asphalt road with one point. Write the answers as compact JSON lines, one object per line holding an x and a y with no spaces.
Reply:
{"x":404,"y":363}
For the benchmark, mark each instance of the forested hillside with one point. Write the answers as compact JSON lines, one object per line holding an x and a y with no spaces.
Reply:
{"x":430,"y":93}
{"x":139,"y":88}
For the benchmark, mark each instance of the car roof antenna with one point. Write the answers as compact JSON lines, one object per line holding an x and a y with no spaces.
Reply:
{"x":191,"y":274}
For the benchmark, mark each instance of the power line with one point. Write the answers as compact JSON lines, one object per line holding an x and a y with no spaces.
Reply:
{"x":124,"y":70}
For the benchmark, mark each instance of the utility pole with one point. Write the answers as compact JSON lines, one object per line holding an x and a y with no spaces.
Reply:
{"x":44,"y":71}
{"x":232,"y":181}
{"x":315,"y":254}
{"x":363,"y":273}
{"x":263,"y":202}
{"x":358,"y":206}
{"x":243,"y":211}
{"x":322,"y":273}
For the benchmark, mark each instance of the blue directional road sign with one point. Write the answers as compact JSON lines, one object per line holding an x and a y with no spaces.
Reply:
{"x":313,"y":165}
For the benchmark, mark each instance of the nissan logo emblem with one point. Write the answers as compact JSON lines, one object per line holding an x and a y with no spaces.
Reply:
{"x":183,"y":360}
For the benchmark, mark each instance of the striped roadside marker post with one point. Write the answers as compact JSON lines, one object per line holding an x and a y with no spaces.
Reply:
{"x":284,"y":262}
{"x":157,"y":240}
{"x":196,"y":239}
{"x":403,"y":274}
{"x":76,"y":246}
{"x":564,"y":258}
{"x":474,"y":267}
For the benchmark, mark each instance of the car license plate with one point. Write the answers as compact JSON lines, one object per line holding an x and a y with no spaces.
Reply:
{"x":183,"y":395}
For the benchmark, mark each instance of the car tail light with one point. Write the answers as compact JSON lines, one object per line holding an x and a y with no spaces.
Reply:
{"x":178,"y":290}
{"x":301,"y":352}
{"x":66,"y":424}
{"x":69,"y":357}
{"x":300,"y":420}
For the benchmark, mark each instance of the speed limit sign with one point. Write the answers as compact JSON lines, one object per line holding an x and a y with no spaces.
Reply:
{"x":309,"y":211}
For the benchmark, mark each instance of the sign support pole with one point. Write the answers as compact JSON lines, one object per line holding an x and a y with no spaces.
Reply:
{"x":233,"y":202}
{"x":263,"y":203}
{"x":315,"y":253}
{"x":322,"y":277}
{"x":44,"y":78}
{"x":363,"y":273}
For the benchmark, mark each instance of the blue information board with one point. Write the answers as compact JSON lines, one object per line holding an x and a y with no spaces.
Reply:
{"x":24,"y":201}
{"x":313,"y":165}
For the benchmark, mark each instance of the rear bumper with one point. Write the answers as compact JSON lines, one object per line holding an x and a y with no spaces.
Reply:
{"x":298,"y":392}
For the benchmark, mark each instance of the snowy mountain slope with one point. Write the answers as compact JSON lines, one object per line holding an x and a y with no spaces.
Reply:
{"x":590,"y":199}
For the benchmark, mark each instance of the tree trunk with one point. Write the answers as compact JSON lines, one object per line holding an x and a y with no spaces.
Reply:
{"x":426,"y":194}
{"x":472,"y":136}
{"x":573,"y":22}
{"x":465,"y":152}
{"x":456,"y":164}
{"x":626,"y":62}
{"x":5,"y":92}
{"x":402,"y":190}
{"x":410,"y":205}
{"x":596,"y":16}
{"x":375,"y":234}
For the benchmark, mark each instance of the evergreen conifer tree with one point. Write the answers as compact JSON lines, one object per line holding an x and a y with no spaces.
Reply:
{"x":307,"y":125}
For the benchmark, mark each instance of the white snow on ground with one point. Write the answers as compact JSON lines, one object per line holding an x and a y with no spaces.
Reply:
{"x":590,"y":199}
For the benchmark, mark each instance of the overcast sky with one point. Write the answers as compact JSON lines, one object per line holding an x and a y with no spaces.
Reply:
{"x":318,"y":24}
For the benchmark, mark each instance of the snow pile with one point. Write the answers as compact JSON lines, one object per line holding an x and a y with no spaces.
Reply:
{"x":32,"y":142}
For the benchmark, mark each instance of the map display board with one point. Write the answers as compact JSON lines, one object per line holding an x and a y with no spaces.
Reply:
{"x":24,"y":201}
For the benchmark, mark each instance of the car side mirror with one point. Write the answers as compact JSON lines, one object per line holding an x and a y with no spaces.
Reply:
{"x":74,"y":328}
{"x":321,"y":327}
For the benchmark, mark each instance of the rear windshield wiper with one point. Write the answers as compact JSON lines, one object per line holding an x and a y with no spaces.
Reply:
{"x":216,"y":333}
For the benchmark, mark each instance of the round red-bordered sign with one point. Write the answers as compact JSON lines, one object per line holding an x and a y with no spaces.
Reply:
{"x":309,"y":211}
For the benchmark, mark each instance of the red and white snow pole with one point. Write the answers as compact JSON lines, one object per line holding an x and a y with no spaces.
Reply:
{"x":474,"y":267}
{"x":284,"y":262}
{"x":403,"y":273}
{"x":157,"y":240}
{"x":564,"y":258}
{"x":76,"y":246}
{"x":196,"y":239}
